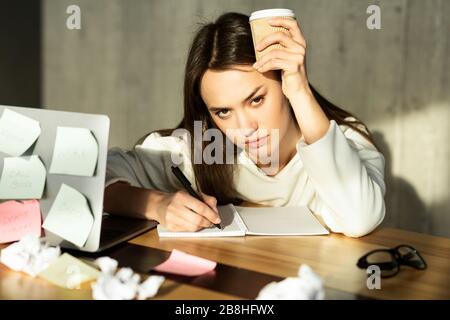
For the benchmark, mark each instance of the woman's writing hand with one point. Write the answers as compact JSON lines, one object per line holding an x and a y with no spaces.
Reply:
{"x":290,"y":59}
{"x":180,"y":211}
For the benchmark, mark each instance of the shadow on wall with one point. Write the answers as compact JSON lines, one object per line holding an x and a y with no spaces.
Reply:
{"x":20,"y":53}
{"x":404,"y":208}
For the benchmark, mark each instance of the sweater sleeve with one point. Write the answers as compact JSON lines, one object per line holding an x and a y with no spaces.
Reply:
{"x":149,"y":165}
{"x":348,"y":174}
{"x":126,"y":166}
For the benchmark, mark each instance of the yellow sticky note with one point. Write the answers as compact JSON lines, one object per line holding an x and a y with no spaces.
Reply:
{"x":69,"y":272}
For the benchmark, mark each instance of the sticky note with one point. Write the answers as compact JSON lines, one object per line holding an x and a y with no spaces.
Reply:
{"x":19,"y":219}
{"x":22,"y":178}
{"x":69,"y":272}
{"x":185,"y":264}
{"x":70,"y":216}
{"x":75,"y":152}
{"x":17,"y":133}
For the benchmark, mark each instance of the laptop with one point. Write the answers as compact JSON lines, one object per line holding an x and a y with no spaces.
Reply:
{"x":107,"y":230}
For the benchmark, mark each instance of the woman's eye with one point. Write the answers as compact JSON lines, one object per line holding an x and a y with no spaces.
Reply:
{"x":257,"y":100}
{"x":223,"y":113}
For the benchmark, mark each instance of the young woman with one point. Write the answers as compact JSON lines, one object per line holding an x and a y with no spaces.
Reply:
{"x":326,"y":158}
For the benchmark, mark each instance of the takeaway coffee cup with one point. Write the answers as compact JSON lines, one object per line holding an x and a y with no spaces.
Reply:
{"x":261,"y":28}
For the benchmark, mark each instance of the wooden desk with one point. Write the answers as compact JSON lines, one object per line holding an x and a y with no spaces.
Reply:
{"x":334,"y":257}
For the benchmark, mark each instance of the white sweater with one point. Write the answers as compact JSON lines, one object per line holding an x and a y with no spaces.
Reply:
{"x":340,"y":177}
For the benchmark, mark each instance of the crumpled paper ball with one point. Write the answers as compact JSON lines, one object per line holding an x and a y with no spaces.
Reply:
{"x":31,"y":255}
{"x":122,"y":284}
{"x":307,"y":286}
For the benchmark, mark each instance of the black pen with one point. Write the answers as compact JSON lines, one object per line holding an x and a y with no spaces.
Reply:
{"x":187,"y":185}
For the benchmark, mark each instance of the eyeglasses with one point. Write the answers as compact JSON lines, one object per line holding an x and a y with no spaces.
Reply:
{"x":390,"y":260}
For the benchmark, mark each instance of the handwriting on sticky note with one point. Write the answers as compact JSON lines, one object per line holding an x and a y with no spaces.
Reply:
{"x":18,"y":219}
{"x":69,"y":272}
{"x":22,"y":178}
{"x":17,"y":132}
{"x":70,"y":216}
{"x":75,"y":152}
{"x":185,"y":264}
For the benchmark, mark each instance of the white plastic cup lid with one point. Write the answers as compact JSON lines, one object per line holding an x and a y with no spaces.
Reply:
{"x":261,"y":14}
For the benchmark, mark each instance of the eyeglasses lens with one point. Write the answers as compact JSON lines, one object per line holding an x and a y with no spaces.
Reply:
{"x":409,"y":255}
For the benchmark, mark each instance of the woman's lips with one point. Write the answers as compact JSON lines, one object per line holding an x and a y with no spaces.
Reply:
{"x":257,"y":143}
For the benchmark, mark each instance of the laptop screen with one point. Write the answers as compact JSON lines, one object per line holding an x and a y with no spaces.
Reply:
{"x":74,"y":176}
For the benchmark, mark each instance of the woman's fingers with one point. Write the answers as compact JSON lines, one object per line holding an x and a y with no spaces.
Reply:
{"x":277,"y":64}
{"x":279,"y":59}
{"x":211,"y":201}
{"x":199,"y":207}
{"x":182,"y":212}
{"x":278,"y":54}
{"x":292,"y":26}
{"x":191,"y":220}
{"x":180,"y":218}
{"x":186,"y":213}
{"x":281,"y":38}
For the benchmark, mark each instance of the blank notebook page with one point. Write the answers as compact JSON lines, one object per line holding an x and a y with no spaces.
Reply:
{"x":280,"y":221}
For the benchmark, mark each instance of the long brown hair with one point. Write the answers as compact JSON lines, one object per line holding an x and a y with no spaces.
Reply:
{"x":219,"y":46}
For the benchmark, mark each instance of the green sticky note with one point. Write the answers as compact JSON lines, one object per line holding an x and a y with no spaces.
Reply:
{"x":69,"y":272}
{"x":75,"y":152}
{"x":17,"y":132}
{"x":22,"y":178}
{"x":70,"y":216}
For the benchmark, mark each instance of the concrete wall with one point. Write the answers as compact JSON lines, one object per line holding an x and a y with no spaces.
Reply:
{"x":127,"y":61}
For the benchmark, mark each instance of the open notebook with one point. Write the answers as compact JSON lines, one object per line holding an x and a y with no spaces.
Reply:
{"x":268,"y":221}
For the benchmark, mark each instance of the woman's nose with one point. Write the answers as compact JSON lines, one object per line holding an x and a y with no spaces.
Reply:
{"x":247,"y":124}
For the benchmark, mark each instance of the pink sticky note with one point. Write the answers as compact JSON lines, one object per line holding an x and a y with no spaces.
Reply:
{"x":185,"y":264}
{"x":19,"y":219}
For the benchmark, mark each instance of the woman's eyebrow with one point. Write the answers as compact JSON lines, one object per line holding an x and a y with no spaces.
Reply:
{"x":213,"y":109}
{"x":253,"y":93}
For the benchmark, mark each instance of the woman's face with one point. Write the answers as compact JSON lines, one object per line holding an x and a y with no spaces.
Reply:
{"x":249,"y":107}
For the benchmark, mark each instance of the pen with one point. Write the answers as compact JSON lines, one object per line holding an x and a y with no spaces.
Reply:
{"x":187,"y":185}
